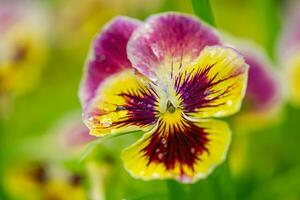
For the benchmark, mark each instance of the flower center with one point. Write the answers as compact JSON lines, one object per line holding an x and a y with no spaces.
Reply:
{"x":170,"y":107}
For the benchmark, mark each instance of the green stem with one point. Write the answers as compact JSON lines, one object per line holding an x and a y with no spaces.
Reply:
{"x":89,"y":148}
{"x":175,"y":190}
{"x":2,"y":160}
{"x":224,"y":182}
{"x":270,"y":19}
{"x":203,"y":10}
{"x":217,"y":186}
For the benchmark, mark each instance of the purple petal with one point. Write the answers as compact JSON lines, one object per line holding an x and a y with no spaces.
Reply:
{"x":108,"y":56}
{"x":263,"y":90}
{"x":76,"y":134}
{"x":166,"y":40}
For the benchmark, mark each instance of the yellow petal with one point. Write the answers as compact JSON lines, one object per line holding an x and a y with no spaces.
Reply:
{"x":124,"y":102}
{"x":183,"y":151}
{"x":214,"y":85}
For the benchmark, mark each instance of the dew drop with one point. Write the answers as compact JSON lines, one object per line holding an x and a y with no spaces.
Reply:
{"x":207,"y":92}
{"x":229,"y":103}
{"x":163,"y":141}
{"x":91,"y":118}
{"x":160,"y":156}
{"x":92,"y":122}
{"x":193,"y":150}
{"x":131,"y":101}
{"x":219,"y":114}
{"x":106,"y":122}
{"x":155,"y":175}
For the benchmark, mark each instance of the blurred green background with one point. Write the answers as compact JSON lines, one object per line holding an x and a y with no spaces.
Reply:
{"x":29,"y":121}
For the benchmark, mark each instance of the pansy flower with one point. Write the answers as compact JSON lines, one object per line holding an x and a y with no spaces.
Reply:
{"x":168,"y":77}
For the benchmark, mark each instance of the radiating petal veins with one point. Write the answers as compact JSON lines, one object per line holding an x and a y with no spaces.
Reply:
{"x":124,"y":102}
{"x":108,"y":55}
{"x":178,"y":149}
{"x":214,"y":85}
{"x":167,"y":42}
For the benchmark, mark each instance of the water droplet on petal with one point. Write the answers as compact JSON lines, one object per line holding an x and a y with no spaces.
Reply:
{"x":106,"y":122}
{"x":131,"y":101}
{"x":163,"y":141}
{"x":229,"y":103}
{"x":155,"y":175}
{"x":193,"y":150}
{"x":219,"y":114}
{"x":91,"y":118}
{"x":207,"y":92}
{"x":160,"y":156}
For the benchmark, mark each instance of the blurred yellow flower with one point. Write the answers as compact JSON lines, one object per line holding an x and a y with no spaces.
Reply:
{"x":294,"y":79}
{"x":35,"y":180}
{"x":23,"y":45}
{"x":24,"y":181}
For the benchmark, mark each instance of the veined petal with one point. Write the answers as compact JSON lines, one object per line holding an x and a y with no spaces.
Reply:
{"x":108,"y":56}
{"x":166,"y":42}
{"x":124,"y":102}
{"x":214,"y":85}
{"x":178,"y":149}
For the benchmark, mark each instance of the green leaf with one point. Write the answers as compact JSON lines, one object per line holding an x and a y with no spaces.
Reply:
{"x":203,"y":10}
